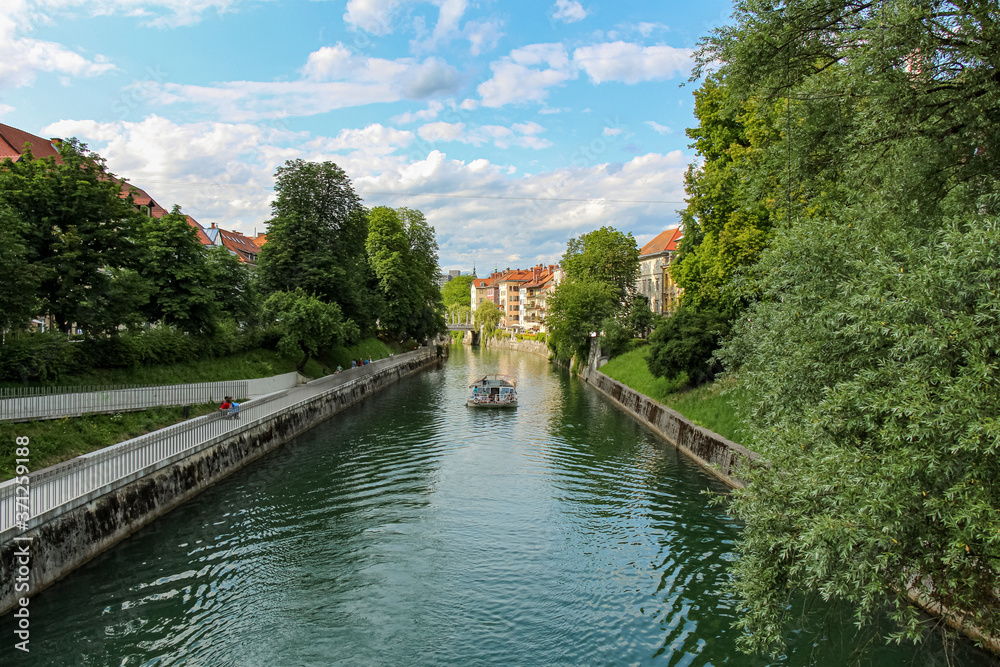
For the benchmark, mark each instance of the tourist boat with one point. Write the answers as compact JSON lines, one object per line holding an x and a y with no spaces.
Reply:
{"x":493,"y":391}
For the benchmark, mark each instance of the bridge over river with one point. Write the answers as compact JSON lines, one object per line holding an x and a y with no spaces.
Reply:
{"x":410,"y":530}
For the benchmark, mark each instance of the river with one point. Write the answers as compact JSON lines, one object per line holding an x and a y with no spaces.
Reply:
{"x":411,"y":530}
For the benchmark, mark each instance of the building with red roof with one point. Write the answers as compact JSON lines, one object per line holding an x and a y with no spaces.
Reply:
{"x":654,"y":281}
{"x":14,"y":141}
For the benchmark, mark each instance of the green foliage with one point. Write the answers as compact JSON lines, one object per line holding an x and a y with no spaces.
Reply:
{"x":606,"y":256}
{"x":235,"y":289}
{"x":457,"y":336}
{"x":615,"y":337}
{"x":307,"y":324}
{"x":176,"y":266}
{"x":316,"y":239}
{"x":366,"y":348}
{"x":867,"y":361}
{"x":18,"y":289}
{"x":76,"y":230}
{"x":457,"y":293}
{"x":640,"y":318}
{"x":487,"y":316}
{"x":730,"y":194}
{"x":685,"y":343}
{"x":871,"y":387}
{"x":402,"y":252}
{"x":576,"y":309}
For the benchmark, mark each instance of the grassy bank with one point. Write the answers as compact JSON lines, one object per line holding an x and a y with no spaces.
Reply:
{"x":244,"y":366}
{"x":711,"y":406}
{"x":56,"y":440}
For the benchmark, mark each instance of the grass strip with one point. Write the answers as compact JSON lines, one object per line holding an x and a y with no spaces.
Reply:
{"x":56,"y":440}
{"x":712,"y":406}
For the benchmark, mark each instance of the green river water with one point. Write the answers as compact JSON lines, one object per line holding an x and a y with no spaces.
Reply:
{"x":412,"y":530}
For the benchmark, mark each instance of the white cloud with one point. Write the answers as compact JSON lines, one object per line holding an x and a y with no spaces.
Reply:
{"x":612,"y":131}
{"x":482,"y":35}
{"x":646,"y":29}
{"x":335,"y":78}
{"x":434,"y":107}
{"x":517,"y":79}
{"x":442,"y":131}
{"x":5,"y":108}
{"x":569,"y":11}
{"x":222,"y":172}
{"x":632,"y":63}
{"x":660,"y":129}
{"x":22,"y":58}
{"x":519,"y":134}
{"x":374,"y":16}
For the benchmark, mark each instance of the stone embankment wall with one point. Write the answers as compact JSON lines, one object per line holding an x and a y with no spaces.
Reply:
{"x":73,"y":538}
{"x":508,"y":343}
{"x":720,"y":456}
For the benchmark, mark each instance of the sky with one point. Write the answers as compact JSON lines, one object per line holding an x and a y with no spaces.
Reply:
{"x":513,"y":126}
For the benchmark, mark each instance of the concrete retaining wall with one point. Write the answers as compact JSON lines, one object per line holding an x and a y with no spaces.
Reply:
{"x":720,"y":456}
{"x":532,"y":346}
{"x":73,"y":538}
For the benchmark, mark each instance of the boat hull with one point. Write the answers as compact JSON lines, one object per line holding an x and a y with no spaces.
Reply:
{"x":493,"y":406}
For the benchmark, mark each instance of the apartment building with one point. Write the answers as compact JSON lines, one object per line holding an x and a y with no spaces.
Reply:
{"x":654,"y":281}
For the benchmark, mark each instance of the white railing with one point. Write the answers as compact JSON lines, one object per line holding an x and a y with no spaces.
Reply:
{"x":63,"y":487}
{"x":36,"y":403}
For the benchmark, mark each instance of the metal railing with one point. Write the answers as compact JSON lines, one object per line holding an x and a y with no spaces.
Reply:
{"x":63,"y":487}
{"x":35,"y":403}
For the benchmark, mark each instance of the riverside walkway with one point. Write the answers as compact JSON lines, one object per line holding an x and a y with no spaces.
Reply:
{"x":32,"y":499}
{"x":39,"y":403}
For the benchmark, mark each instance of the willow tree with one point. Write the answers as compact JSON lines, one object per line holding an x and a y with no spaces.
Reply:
{"x":869,"y":358}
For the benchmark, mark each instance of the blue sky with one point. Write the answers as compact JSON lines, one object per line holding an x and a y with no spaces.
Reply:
{"x":512,"y":125}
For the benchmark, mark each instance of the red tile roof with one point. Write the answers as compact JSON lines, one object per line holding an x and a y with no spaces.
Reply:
{"x":12,"y":141}
{"x":260,"y":240}
{"x":243,"y":246}
{"x":665,"y":241}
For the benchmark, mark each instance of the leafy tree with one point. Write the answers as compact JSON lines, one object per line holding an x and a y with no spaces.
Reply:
{"x":615,"y":336}
{"x":601,"y":271}
{"x":77,"y":227}
{"x":866,"y":360}
{"x":487,"y":316}
{"x":871,"y":394}
{"x":640,"y":318}
{"x":121,"y":300}
{"x":457,"y":292}
{"x":176,"y":266}
{"x":234,"y":287}
{"x":307,"y":324}
{"x":607,"y":256}
{"x":730,"y":211}
{"x":685,"y":343}
{"x":18,"y":297}
{"x":403,"y":255}
{"x":316,"y":238}
{"x":577,"y":309}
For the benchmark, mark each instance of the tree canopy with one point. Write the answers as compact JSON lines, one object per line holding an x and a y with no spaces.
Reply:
{"x":316,"y":238}
{"x":601,"y":270}
{"x":866,"y":349}
{"x":402,"y":251}
{"x":76,"y":229}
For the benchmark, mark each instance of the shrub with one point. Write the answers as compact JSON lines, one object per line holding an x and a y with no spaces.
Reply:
{"x":685,"y":343}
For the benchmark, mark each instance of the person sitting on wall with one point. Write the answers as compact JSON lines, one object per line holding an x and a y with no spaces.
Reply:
{"x":234,"y":409}
{"x":226,"y":404}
